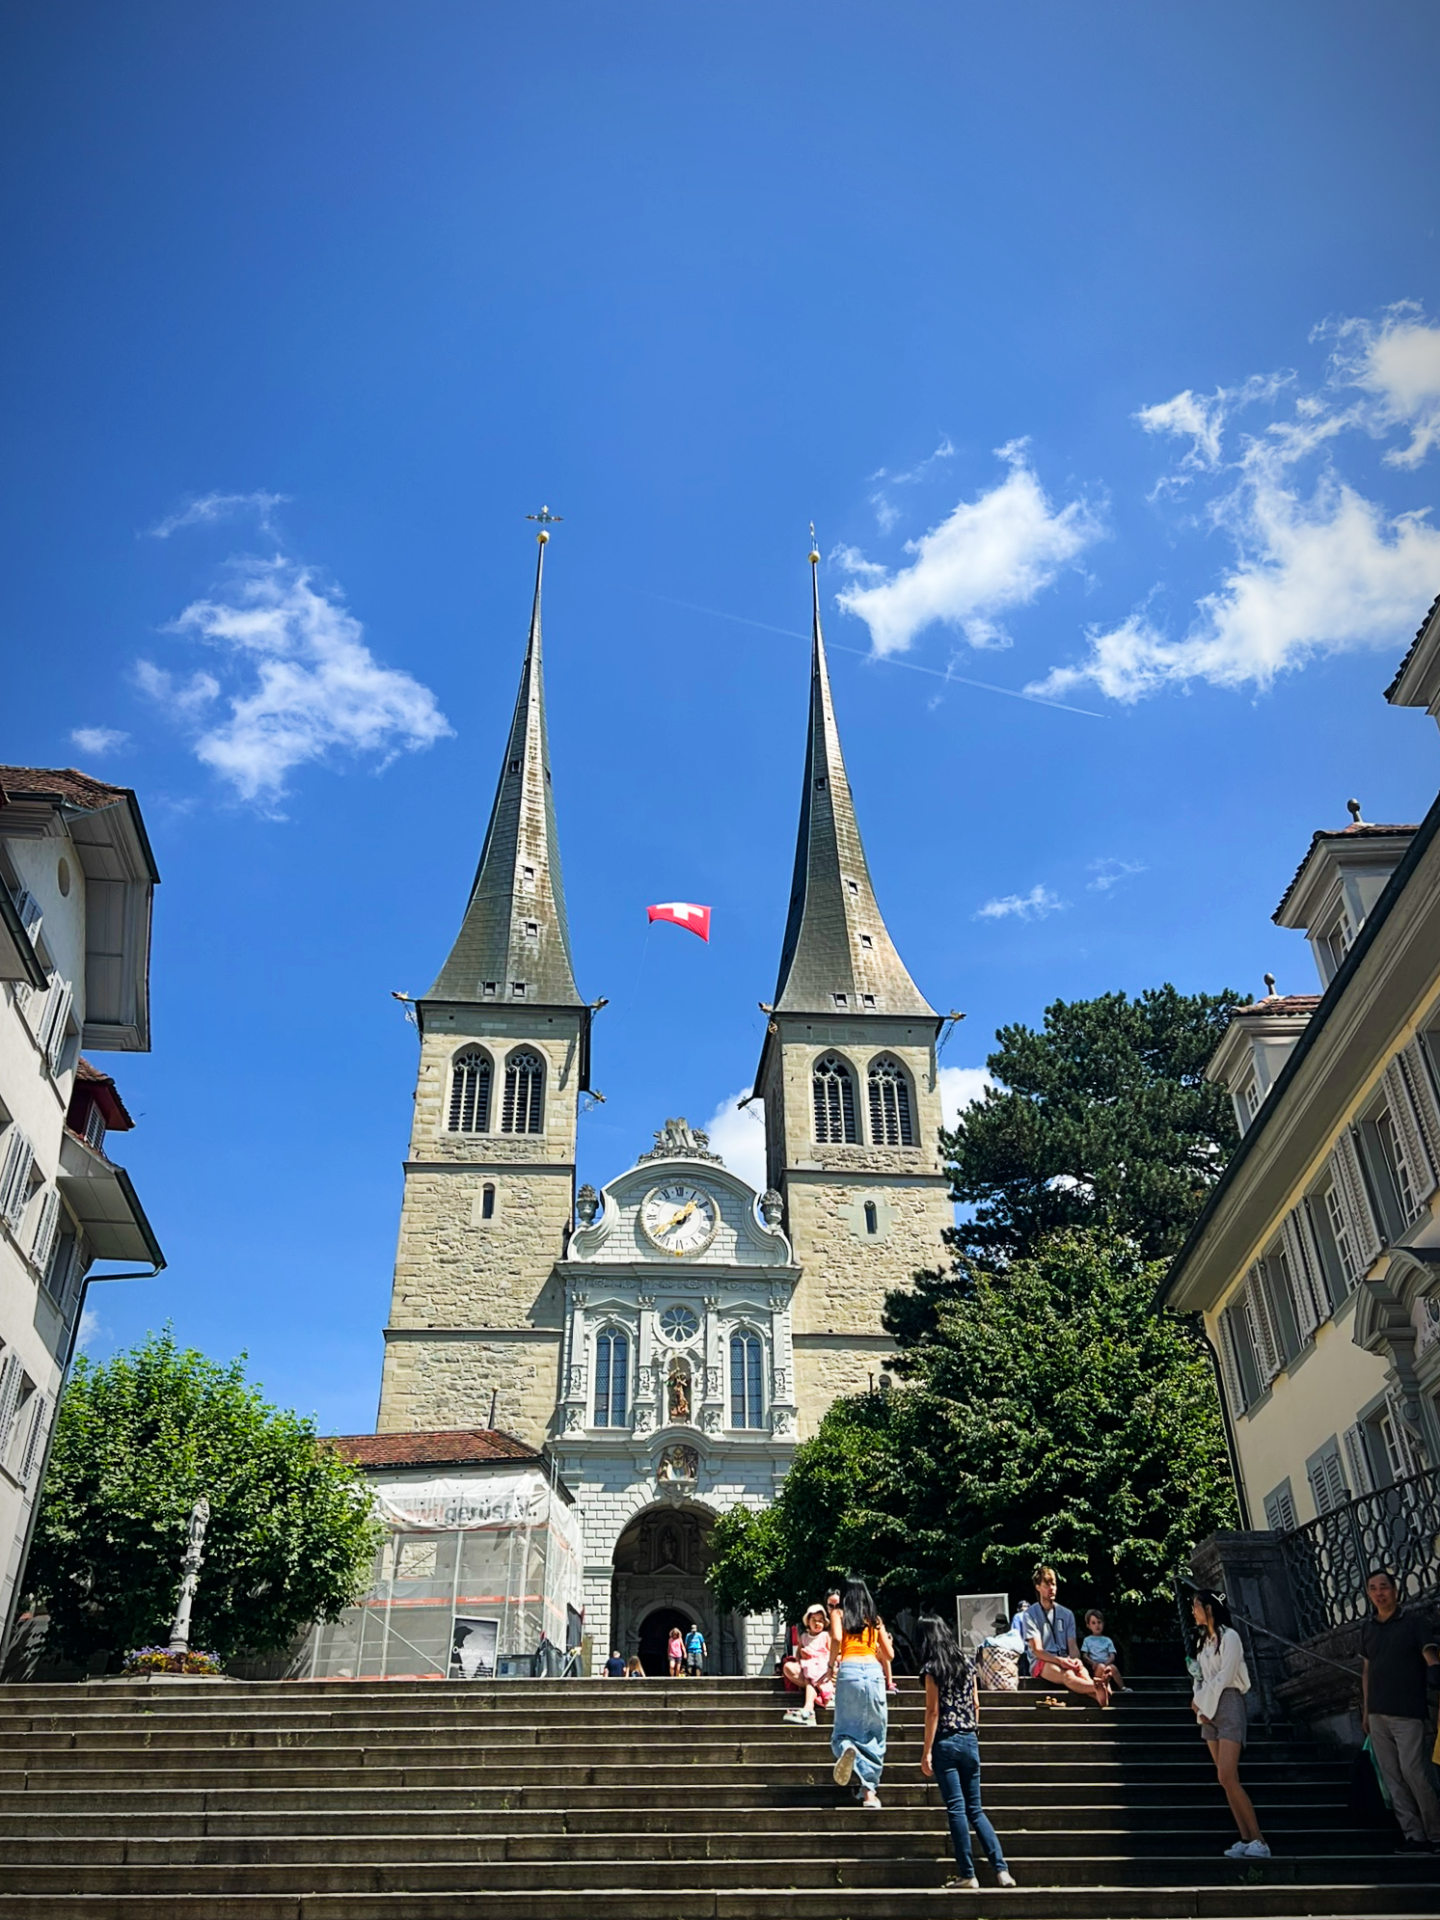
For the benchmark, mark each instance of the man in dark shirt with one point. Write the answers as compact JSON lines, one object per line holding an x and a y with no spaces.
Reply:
{"x":614,"y":1666}
{"x":1397,"y":1648}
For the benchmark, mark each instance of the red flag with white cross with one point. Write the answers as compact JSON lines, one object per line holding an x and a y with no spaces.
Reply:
{"x":683,"y":913}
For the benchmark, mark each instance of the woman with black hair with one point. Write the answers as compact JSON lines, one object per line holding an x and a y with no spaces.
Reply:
{"x":951,"y":1756}
{"x":858,"y":1640}
{"x":1221,"y":1684}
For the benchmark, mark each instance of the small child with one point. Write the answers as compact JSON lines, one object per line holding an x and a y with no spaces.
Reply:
{"x":634,"y":1670}
{"x":1099,"y":1651}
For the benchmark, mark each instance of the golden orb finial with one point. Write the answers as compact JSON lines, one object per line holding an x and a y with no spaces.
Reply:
{"x":814,"y":547}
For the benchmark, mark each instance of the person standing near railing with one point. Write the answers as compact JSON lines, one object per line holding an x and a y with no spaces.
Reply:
{"x":1396,"y":1650}
{"x":1221,"y":1684}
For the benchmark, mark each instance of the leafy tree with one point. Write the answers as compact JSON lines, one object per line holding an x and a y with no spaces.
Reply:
{"x":137,"y":1441}
{"x":1052,"y":1416}
{"x":1102,"y":1119}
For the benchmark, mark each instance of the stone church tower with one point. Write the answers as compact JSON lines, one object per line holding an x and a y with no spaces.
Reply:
{"x":851,"y":1090}
{"x":490,"y":1177}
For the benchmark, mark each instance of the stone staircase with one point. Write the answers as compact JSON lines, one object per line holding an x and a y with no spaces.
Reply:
{"x":670,"y":1800}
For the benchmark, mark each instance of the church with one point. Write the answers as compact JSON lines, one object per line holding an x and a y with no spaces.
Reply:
{"x":662,"y":1343}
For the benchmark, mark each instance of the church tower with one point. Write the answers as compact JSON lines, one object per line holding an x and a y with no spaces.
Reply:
{"x":851,"y":1090}
{"x":477,"y":1310}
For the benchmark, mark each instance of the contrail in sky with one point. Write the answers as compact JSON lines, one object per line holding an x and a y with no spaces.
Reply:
{"x":863,"y":653}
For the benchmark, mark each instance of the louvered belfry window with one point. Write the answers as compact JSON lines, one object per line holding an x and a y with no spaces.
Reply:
{"x":834,"y":1101}
{"x":524,"y":1087}
{"x":470,"y":1092}
{"x":890,"y":1123}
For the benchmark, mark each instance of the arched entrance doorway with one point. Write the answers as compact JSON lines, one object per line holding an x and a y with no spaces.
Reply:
{"x":655,"y":1638}
{"x":660,"y":1564}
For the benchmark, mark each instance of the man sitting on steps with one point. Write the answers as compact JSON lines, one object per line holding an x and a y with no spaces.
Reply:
{"x":1054,"y":1651}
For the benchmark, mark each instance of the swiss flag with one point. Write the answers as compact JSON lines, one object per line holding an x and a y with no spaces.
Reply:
{"x":683,"y":913}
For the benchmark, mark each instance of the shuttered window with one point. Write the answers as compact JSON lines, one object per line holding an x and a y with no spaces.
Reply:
{"x":834,"y":1089}
{"x":12,"y":1379}
{"x":47,"y":1226}
{"x":51,"y":1035}
{"x":1303,"y":1269}
{"x":747,"y":1400}
{"x":1365,"y":1236}
{"x":35,"y":1437}
{"x":1357,"y":1459}
{"x":1414,"y":1165}
{"x":1261,"y":1328}
{"x":1395,"y":1154}
{"x":1230,"y":1369}
{"x":16,"y":1160}
{"x":1280,"y":1514}
{"x":470,"y":1092}
{"x":524,"y":1085}
{"x":1327,"y":1478}
{"x":1339,"y":1223}
{"x":890,"y":1123}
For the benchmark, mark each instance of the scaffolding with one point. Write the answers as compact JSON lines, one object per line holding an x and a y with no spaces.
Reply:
{"x":476,"y":1568}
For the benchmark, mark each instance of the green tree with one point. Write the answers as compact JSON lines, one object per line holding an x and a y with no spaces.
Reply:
{"x":137,"y":1441}
{"x":1101,"y":1119}
{"x":1051,"y":1416}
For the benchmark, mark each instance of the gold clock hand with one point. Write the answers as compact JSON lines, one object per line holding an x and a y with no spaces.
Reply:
{"x":676,"y":1218}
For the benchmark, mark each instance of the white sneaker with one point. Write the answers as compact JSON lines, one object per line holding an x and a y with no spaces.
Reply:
{"x":972,"y":1885}
{"x":1238,"y":1851}
{"x":1004,"y":1879}
{"x":871,"y":1800}
{"x":1257,"y":1850}
{"x":797,"y":1717}
{"x":844,"y":1767}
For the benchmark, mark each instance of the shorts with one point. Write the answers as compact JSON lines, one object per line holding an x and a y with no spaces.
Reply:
{"x":1231,"y":1720}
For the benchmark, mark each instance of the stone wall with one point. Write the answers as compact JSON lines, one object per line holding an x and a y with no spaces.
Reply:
{"x":442,"y":1380}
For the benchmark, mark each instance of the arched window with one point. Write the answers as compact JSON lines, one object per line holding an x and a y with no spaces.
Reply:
{"x":890,"y":1124}
{"x":747,"y":1398}
{"x":470,"y":1092}
{"x":612,"y":1378}
{"x":524,"y":1082}
{"x":834,"y":1100}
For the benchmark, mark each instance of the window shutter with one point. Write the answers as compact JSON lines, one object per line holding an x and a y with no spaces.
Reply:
{"x":67,"y":1285}
{"x":1414,"y":1070}
{"x":1357,"y":1459}
{"x":1312,"y":1302}
{"x":34,"y":1439}
{"x":1408,"y":1462}
{"x":15,"y":1177}
{"x":1280,"y":1515}
{"x":1261,"y":1326}
{"x":11,"y":1375}
{"x":1230,"y":1363}
{"x":57,"y":1013}
{"x":1327,"y":1478}
{"x":28,"y":908}
{"x":1407,"y":1132}
{"x":46,"y":1228}
{"x":1355,"y":1198}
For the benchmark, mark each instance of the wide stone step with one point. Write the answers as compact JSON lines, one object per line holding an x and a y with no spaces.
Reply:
{"x":835,"y":1871}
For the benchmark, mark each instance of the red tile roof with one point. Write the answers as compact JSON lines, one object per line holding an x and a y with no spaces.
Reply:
{"x":1359,"y":830}
{"x":60,"y":783}
{"x":106,"y":1096}
{"x":448,"y":1447}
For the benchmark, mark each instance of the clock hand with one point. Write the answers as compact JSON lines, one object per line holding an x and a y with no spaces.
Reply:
{"x":676,"y":1218}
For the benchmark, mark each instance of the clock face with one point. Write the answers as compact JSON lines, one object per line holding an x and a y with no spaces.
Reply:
{"x":679,"y":1218}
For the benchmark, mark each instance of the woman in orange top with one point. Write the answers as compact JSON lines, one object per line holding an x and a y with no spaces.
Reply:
{"x":858,"y":1642}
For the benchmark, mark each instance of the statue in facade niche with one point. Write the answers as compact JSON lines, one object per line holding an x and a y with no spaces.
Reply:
{"x":679,"y":1400}
{"x":587,"y":1205}
{"x":772,"y":1207}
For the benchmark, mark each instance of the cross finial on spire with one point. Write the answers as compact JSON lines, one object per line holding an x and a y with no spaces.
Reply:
{"x":547,"y":520}
{"x":814,"y":547}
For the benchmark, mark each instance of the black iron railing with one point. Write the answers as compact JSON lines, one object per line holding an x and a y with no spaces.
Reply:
{"x":1397,"y":1528}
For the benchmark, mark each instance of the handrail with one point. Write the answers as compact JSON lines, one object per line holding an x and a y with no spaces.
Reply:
{"x":1295,"y":1646}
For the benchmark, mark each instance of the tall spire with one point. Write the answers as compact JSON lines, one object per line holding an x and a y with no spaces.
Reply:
{"x":838,"y":954}
{"x":514,"y":942}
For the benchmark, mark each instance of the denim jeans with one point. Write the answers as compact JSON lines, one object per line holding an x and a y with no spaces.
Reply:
{"x":956,"y":1763}
{"x":860,"y":1718}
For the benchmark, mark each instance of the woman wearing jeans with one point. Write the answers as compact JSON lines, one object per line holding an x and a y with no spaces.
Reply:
{"x":952,"y":1750}
{"x":858,"y":1641}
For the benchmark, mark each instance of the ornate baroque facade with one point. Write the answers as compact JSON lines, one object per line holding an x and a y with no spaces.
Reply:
{"x":671,"y":1338}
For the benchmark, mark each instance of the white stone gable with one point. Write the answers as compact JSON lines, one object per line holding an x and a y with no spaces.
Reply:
{"x":741,"y":1239}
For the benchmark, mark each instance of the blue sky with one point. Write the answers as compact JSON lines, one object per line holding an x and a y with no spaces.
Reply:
{"x":1102,"y":345}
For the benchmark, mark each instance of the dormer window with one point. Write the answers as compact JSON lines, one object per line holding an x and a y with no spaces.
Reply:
{"x":489,"y":989}
{"x":1338,"y":942}
{"x":1250,"y":1098}
{"x":527,"y":876}
{"x":841,"y":999}
{"x":866,"y":941}
{"x":95,"y":1129}
{"x":517,"y":988}
{"x":532,"y":929}
{"x":514,"y":766}
{"x":853,"y":885}
{"x":820,"y":783}
{"x":867,"y":1000}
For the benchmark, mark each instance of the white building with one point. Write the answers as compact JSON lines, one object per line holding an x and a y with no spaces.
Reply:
{"x":76,"y":880}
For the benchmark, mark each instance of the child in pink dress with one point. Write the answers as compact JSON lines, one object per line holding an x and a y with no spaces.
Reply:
{"x":808,"y":1668}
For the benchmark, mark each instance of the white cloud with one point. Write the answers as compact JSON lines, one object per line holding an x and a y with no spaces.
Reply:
{"x":1021,"y":906}
{"x":98,"y":740}
{"x":1109,"y":873}
{"x":213,"y":507}
{"x":299,"y":682}
{"x":1319,"y":571}
{"x":1201,"y":418}
{"x":961,"y":1087}
{"x":90,"y":1330}
{"x":988,"y":555}
{"x":737,"y":1134}
{"x":886,"y":512}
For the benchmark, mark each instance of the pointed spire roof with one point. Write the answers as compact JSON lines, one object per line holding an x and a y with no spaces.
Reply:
{"x":514,"y":942}
{"x":836,"y":942}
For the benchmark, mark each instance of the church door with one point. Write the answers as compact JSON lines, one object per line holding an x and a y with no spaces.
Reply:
{"x":654,"y":1636}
